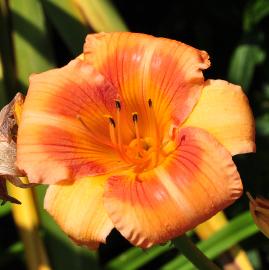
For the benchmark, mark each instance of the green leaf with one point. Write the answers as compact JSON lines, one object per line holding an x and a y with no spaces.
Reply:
{"x":32,"y":46}
{"x":68,"y":22}
{"x":262,"y":125}
{"x":3,"y":94}
{"x":254,"y":13}
{"x":235,"y":231}
{"x":255,"y":258}
{"x":101,"y":16}
{"x":8,"y":255}
{"x":63,"y":253}
{"x":74,"y":19}
{"x":7,"y":68}
{"x":135,"y":257}
{"x":5,"y":209}
{"x":243,"y":63}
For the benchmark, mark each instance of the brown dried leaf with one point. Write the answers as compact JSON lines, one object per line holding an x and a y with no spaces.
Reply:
{"x":8,"y":123}
{"x":8,"y":137}
{"x":16,"y":181}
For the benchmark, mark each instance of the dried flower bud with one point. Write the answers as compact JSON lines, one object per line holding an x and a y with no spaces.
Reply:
{"x":8,"y":135}
{"x":259,"y":209}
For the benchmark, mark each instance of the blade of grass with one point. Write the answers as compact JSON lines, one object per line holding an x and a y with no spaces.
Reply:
{"x":68,"y":22}
{"x":238,"y":257}
{"x":63,"y":253}
{"x":254,"y":13}
{"x":243,"y":63}
{"x":3,"y":94}
{"x":31,"y":42}
{"x":8,"y":74}
{"x":5,"y":209}
{"x":8,"y":255}
{"x":237,"y":230}
{"x":100,"y":15}
{"x":135,"y":257}
{"x":27,"y":222}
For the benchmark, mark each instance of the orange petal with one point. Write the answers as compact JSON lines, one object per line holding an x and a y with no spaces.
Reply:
{"x":195,"y":182}
{"x":223,"y":110}
{"x":53,"y":144}
{"x":79,"y":211}
{"x":143,"y":67}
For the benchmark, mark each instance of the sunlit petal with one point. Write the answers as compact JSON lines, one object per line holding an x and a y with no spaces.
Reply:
{"x":223,"y":110}
{"x":195,"y":182}
{"x":63,"y":133}
{"x":143,"y":67}
{"x":78,"y":209}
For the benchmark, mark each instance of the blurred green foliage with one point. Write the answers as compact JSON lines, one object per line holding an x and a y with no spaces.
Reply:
{"x":40,"y":34}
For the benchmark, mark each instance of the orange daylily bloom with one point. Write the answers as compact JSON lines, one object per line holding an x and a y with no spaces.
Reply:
{"x":131,"y":136}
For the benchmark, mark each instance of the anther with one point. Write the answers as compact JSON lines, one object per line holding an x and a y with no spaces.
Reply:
{"x":111,"y":121}
{"x":118,"y":105}
{"x":112,"y":126}
{"x":135,"y":117}
{"x":150,"y":103}
{"x":83,"y":123}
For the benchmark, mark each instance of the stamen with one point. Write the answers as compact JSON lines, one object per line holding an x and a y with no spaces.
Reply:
{"x":118,"y":107}
{"x":157,"y":132}
{"x":112,"y":122}
{"x":137,"y":133}
{"x":83,"y":123}
{"x":90,"y":132}
{"x":150,"y":102}
{"x":135,"y":117}
{"x":112,"y":130}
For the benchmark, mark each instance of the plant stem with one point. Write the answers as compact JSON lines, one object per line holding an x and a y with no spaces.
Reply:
{"x":193,"y":254}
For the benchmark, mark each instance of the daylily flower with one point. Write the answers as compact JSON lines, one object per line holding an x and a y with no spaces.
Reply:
{"x":130,"y":136}
{"x":259,"y":209}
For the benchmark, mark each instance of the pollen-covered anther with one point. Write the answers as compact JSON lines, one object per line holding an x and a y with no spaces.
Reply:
{"x":135,"y":117}
{"x":137,"y":133}
{"x":112,"y":129}
{"x":118,"y":104}
{"x":150,"y":103}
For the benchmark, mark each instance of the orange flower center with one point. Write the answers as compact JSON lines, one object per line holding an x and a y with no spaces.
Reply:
{"x":143,"y":153}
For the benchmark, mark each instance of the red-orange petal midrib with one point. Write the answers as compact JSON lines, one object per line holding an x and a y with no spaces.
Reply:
{"x":64,"y":111}
{"x":143,"y":67}
{"x":191,"y":185}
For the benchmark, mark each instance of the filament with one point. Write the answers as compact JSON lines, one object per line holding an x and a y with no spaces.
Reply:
{"x":89,"y":131}
{"x":112,"y":129}
{"x":156,"y":129}
{"x":137,"y":133}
